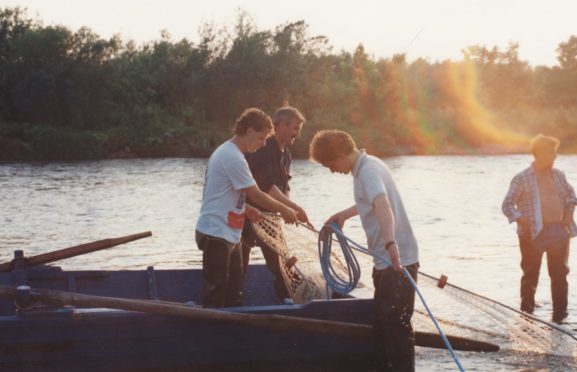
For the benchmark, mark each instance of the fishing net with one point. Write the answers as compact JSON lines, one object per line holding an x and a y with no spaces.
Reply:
{"x":522,"y":338}
{"x":303,"y":279}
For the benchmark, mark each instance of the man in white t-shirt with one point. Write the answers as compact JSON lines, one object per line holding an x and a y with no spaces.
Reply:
{"x":228,"y":182}
{"x":389,"y":235}
{"x":270,"y":166}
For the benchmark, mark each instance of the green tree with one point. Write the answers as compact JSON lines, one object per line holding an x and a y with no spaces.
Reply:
{"x":567,"y":54}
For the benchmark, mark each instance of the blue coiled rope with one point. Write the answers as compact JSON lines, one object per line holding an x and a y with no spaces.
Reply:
{"x":343,"y":286}
{"x":335,"y":281}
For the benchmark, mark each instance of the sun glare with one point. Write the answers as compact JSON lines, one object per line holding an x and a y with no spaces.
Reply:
{"x":478,"y":125}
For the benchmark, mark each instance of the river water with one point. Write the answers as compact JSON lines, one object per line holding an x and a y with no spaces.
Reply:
{"x":454,"y":204}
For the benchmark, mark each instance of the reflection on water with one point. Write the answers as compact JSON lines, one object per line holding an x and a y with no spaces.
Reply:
{"x":453,"y":202}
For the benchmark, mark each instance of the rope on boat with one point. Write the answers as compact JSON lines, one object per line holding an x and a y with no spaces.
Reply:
{"x":346,"y":285}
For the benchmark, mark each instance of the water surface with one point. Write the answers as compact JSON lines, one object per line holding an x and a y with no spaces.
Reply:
{"x":453,"y":203}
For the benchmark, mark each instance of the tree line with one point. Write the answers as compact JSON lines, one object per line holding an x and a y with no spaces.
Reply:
{"x":68,"y":95}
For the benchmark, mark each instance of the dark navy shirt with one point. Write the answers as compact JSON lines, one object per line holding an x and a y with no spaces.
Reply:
{"x":270,"y":166}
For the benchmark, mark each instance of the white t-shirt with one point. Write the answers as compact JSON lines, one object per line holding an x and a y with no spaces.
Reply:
{"x":372,"y":177}
{"x":223,"y":202}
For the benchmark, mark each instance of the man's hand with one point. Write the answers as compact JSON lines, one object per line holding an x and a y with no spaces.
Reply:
{"x":393,"y":251}
{"x":339,"y":218}
{"x":342,"y":216}
{"x":253,"y":213}
{"x":289,"y":215}
{"x":568,"y":217}
{"x":524,"y":227}
{"x":302,"y":216}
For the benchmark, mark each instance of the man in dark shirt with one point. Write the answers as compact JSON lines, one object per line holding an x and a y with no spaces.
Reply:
{"x":270,"y":167}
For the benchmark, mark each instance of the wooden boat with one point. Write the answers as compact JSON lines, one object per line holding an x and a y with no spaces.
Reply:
{"x":52,"y":319}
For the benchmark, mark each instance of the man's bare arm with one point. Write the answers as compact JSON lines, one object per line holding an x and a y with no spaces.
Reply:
{"x":263,"y":200}
{"x":386,"y":218}
{"x":278,"y":195}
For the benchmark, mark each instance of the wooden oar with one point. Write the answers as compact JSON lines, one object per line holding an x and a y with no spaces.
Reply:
{"x":275,"y":322}
{"x":76,"y":250}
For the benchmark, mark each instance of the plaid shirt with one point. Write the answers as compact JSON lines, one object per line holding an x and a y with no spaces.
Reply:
{"x":523,"y":200}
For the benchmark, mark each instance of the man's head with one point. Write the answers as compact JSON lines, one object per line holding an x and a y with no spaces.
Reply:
{"x":544,"y":150}
{"x":288,"y":123}
{"x":332,"y":148}
{"x":253,"y":126}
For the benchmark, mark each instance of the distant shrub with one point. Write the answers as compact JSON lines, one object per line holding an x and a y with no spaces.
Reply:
{"x":63,"y":144}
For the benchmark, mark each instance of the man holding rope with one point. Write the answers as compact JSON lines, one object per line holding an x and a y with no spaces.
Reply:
{"x":270,"y":167}
{"x":389,"y":234}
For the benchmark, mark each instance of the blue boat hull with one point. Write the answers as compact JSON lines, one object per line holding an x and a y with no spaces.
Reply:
{"x":61,"y":338}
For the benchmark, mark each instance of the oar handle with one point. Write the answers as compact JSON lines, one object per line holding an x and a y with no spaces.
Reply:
{"x":77,"y":250}
{"x":272,"y":321}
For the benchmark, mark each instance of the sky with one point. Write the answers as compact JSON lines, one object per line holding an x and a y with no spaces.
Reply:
{"x":436,"y":30}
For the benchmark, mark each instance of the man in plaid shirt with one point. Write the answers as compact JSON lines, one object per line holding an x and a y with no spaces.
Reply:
{"x":542,"y":202}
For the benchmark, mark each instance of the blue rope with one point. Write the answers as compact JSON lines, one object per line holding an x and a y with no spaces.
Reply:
{"x":334,"y":280}
{"x":342,"y":286}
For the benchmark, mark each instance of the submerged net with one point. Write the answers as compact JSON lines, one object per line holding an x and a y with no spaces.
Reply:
{"x":522,"y":338}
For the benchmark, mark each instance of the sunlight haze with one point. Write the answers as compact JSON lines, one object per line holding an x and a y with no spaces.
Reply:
{"x":434,"y":30}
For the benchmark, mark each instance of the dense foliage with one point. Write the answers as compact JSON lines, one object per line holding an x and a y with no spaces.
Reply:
{"x":74,"y":95}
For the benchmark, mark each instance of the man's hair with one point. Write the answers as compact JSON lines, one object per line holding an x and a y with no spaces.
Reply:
{"x":328,"y":145}
{"x":252,"y":118}
{"x":287,"y":114}
{"x":541,"y":142}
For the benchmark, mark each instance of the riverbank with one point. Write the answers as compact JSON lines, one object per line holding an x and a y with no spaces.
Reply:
{"x":92,"y":147}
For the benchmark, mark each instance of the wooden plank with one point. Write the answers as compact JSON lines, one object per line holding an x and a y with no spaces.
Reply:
{"x":77,"y":250}
{"x":280,"y":323}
